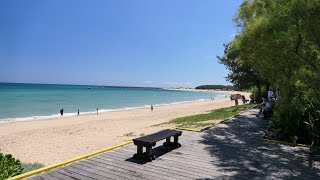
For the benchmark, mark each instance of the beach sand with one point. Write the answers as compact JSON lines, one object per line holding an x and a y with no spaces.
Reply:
{"x":55,"y":140}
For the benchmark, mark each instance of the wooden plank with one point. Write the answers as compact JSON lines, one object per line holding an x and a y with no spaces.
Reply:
{"x":47,"y":177}
{"x":123,"y":168}
{"x":191,"y":157}
{"x":195,"y":166}
{"x":37,"y":177}
{"x":179,"y":162}
{"x":168,"y":168}
{"x":59,"y":175}
{"x":133,"y":166}
{"x":191,"y":146}
{"x":149,"y":171}
{"x":77,"y":175}
{"x":164,"y":170}
{"x":200,"y":153}
{"x":90,"y":172}
{"x":126,"y":174}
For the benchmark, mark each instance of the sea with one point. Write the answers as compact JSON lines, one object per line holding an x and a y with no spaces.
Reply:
{"x":27,"y":102}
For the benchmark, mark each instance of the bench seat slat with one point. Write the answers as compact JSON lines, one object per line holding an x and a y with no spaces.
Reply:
{"x":153,"y":138}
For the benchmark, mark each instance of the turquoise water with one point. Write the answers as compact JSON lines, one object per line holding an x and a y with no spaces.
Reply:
{"x":21,"y":102}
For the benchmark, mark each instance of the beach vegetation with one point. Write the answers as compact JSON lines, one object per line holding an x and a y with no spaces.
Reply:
{"x":220,"y":87}
{"x":129,"y":134}
{"x":278,"y":47}
{"x":204,"y":120}
{"x":9,"y":166}
{"x":31,"y":166}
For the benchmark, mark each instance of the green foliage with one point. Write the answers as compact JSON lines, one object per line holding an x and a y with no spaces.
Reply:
{"x":297,"y":121}
{"x":201,"y":120}
{"x":9,"y":166}
{"x":31,"y":166}
{"x":256,"y":95}
{"x":215,"y":87}
{"x":280,"y":41}
{"x":241,"y":75}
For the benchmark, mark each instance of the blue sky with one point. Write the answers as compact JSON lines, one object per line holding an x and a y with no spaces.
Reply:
{"x":167,"y":43}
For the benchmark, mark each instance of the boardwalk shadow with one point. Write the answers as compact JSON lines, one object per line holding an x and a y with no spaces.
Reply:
{"x":241,"y":155}
{"x":158,"y":151}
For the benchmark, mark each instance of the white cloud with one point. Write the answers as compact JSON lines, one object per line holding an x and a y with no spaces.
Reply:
{"x":148,"y":82}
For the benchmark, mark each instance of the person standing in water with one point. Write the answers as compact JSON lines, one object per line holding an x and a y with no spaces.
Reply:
{"x":61,"y":112}
{"x":78,"y":112}
{"x":97,"y":111}
{"x":151,"y":107}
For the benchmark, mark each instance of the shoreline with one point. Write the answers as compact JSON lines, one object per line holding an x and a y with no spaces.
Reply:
{"x":88,"y":112}
{"x":58,"y":139}
{"x":101,"y":111}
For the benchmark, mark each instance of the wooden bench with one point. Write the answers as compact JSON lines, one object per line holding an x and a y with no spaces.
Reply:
{"x":150,"y":140}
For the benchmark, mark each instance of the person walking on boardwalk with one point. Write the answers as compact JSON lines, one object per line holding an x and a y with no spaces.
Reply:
{"x":61,"y":112}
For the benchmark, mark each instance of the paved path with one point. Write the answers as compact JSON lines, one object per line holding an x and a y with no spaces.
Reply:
{"x":230,"y":150}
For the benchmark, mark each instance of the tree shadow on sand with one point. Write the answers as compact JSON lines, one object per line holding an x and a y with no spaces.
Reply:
{"x":241,"y":154}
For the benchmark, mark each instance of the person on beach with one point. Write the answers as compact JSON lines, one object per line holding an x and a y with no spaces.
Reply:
{"x":61,"y":112}
{"x":78,"y":112}
{"x":97,"y":111}
{"x":270,"y":94}
{"x":265,"y":106}
{"x":151,"y":107}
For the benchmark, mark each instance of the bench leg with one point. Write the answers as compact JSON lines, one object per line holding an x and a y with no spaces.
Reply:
{"x":174,"y":144}
{"x":149,"y":154}
{"x":140,"y":149}
{"x":168,"y":139}
{"x":139,"y":153}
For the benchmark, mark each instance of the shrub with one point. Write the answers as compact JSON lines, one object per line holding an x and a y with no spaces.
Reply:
{"x":297,"y":120}
{"x":255,"y":96}
{"x":9,"y":166}
{"x":31,"y":166}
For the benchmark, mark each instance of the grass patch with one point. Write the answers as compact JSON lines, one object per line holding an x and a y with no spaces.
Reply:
{"x":31,"y":166}
{"x":157,"y":125}
{"x":204,"y":120}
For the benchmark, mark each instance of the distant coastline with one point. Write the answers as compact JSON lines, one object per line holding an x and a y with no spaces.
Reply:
{"x":207,"y":90}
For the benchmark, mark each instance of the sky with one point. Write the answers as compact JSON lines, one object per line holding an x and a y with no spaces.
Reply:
{"x":149,"y":43}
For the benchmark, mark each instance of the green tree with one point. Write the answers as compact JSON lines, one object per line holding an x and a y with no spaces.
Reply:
{"x":240,"y":74}
{"x":280,"y":40}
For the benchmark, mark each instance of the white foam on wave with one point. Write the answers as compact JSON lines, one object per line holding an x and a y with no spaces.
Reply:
{"x":54,"y":116}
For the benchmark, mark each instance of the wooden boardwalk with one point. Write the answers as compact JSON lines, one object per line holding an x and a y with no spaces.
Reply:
{"x":231,"y":150}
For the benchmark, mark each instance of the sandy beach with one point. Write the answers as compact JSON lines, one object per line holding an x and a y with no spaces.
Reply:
{"x":55,"y":140}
